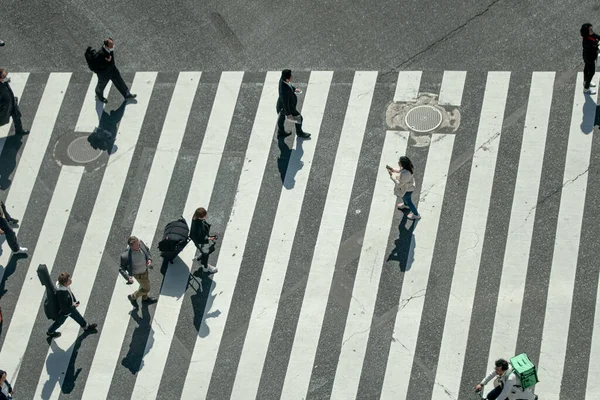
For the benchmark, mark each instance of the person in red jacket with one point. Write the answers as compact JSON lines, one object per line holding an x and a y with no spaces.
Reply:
{"x":590,"y":54}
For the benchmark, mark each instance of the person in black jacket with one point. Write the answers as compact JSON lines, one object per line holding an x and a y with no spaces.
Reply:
{"x":286,"y":106}
{"x":9,"y":105}
{"x":200,"y":235}
{"x":67,"y":307}
{"x":6,"y":390}
{"x":590,"y":54}
{"x":5,"y":229}
{"x":107,"y":70}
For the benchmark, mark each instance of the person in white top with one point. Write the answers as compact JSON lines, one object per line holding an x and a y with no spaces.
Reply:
{"x":405,"y":185}
{"x":504,"y":381}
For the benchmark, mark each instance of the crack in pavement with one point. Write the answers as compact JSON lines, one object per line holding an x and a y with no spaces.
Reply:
{"x":404,"y":303}
{"x":442,"y":39}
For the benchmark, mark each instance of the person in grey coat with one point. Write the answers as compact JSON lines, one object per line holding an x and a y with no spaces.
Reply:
{"x":135,"y":262}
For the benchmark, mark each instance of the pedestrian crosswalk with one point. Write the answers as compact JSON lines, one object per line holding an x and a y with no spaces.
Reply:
{"x":324,"y":289}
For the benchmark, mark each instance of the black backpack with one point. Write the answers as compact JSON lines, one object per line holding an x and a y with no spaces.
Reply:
{"x":90,"y":58}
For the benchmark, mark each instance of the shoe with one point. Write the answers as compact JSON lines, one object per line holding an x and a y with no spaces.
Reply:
{"x":210,"y":269}
{"x":53,"y":334}
{"x":130,"y":96}
{"x":303,"y":135}
{"x":101,"y":99}
{"x":2,"y":43}
{"x":13,"y":221}
{"x":402,"y":206}
{"x":283,"y":134}
{"x":23,"y":132}
{"x":22,"y":250}
{"x":150,"y":300}
{"x":589,"y":91}
{"x":413,"y":216}
{"x":592,"y":84}
{"x":132,"y":300}
{"x":90,"y":327}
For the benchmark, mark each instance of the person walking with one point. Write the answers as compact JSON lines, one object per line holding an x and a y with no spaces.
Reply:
{"x":200,"y":235}
{"x":135,"y":262}
{"x":590,"y":43}
{"x":5,"y":229}
{"x":9,"y":106}
{"x":67,"y":303}
{"x":107,"y":70}
{"x":6,"y":390}
{"x":286,"y":106}
{"x":405,"y":185}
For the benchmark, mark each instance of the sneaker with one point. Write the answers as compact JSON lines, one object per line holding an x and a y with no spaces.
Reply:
{"x":132,"y":300}
{"x":90,"y":327}
{"x":589,"y":91}
{"x":130,"y":96}
{"x":150,"y":300}
{"x":592,"y":84}
{"x":53,"y":334}
{"x":402,"y":206}
{"x":22,"y":250}
{"x":13,"y":221}
{"x":413,"y":216}
{"x":210,"y":269}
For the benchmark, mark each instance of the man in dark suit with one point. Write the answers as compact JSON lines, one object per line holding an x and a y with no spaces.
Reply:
{"x":107,"y":70}
{"x":286,"y":106}
{"x":9,"y":106}
{"x":590,"y":43}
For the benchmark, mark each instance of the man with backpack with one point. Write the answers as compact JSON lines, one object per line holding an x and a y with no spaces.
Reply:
{"x":135,"y":262}
{"x":102,"y":62}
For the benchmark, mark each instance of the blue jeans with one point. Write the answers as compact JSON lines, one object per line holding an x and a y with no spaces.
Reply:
{"x":61,"y":320}
{"x":407,"y":199}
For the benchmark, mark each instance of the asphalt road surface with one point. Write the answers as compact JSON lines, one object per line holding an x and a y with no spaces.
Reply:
{"x":322,"y":292}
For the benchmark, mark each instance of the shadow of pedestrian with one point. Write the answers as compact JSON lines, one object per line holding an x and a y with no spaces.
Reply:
{"x":8,"y":160}
{"x":284,"y":157}
{"x":403,"y":252}
{"x":54,"y":377}
{"x":105,"y":135}
{"x":134,"y":360}
{"x":295,"y":164}
{"x":589,"y":115}
{"x":8,"y":270}
{"x":202,"y":302}
{"x":71,"y":374}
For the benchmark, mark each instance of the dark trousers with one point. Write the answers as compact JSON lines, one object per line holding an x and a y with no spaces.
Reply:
{"x":494,"y":393}
{"x":588,"y":73}
{"x":16,"y":117}
{"x":115,"y":76}
{"x":6,"y":214}
{"x":281,"y":120}
{"x":61,"y":320}
{"x":205,"y":250}
{"x":11,"y":237}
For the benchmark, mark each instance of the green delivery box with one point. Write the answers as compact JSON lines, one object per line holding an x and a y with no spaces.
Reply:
{"x":524,"y":369}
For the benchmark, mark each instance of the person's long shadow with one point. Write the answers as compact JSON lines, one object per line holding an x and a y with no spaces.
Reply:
{"x":202,"y":301}
{"x":104,"y":137}
{"x":589,"y":116}
{"x":134,"y":360}
{"x":403,"y":252}
{"x":9,"y":269}
{"x":8,"y":162}
{"x":294,"y":165}
{"x":284,"y":157}
{"x":71,"y":374}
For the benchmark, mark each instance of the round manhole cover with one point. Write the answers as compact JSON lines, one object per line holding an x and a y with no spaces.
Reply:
{"x":423,"y":118}
{"x":80,"y":151}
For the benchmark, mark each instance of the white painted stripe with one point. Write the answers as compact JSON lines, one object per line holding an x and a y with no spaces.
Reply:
{"x":566,"y":248}
{"x":33,"y":155}
{"x":114,"y":327}
{"x":172,"y":292}
{"x":91,"y":112}
{"x":21,"y":325}
{"x":451,"y":92}
{"x":407,"y":87}
{"x":280,"y":244}
{"x":310,"y":321}
{"x":412,"y":300}
{"x":466,"y":268}
{"x":366,"y":282}
{"x":234,"y":241}
{"x":94,"y":241}
{"x":414,"y":287}
{"x":522,"y":217}
{"x":17,"y":83}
